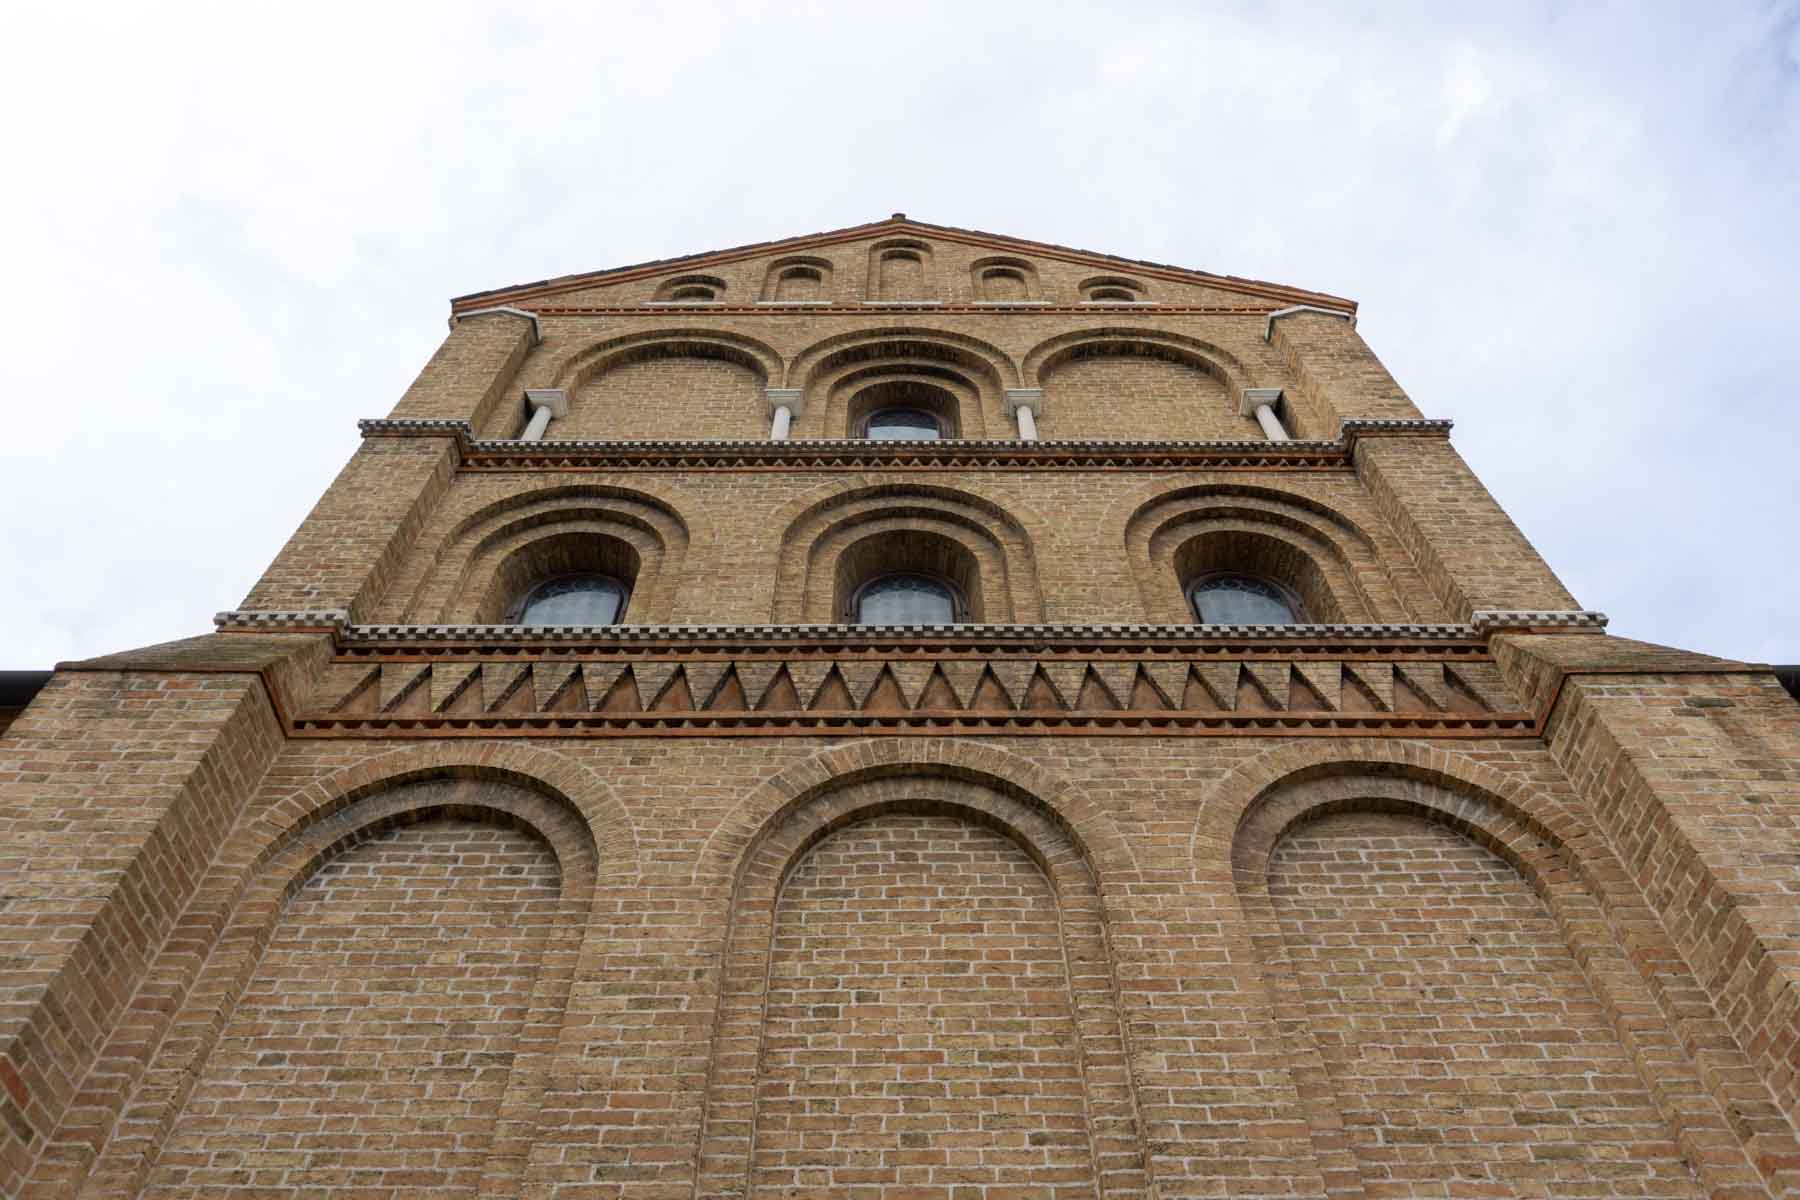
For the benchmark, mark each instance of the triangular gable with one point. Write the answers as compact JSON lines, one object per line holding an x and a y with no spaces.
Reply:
{"x":524,"y":293}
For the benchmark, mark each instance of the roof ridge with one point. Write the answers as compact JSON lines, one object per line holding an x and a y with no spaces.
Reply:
{"x":559,"y":283}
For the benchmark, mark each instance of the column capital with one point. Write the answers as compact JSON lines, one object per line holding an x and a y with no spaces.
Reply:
{"x":1032,"y":398}
{"x":792,"y":399}
{"x":1269,"y":322}
{"x":1255,"y":398}
{"x":501,"y":310}
{"x":554,"y":399}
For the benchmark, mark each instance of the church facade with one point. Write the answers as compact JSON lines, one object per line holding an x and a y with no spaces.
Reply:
{"x":902,"y":713}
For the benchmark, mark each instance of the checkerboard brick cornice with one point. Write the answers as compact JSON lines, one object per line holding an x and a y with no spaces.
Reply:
{"x":858,"y":454}
{"x":337,"y":621}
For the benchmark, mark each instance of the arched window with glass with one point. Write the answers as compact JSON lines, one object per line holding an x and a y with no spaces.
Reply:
{"x":903,"y":425}
{"x":908,"y":598}
{"x":584,"y":599}
{"x":1230,"y":598}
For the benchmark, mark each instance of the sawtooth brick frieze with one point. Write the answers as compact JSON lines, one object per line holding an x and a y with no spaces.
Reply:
{"x":632,"y":782}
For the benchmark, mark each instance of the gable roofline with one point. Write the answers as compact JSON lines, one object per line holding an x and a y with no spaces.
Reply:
{"x":1262,"y":289}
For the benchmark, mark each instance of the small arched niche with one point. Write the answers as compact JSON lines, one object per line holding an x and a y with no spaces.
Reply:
{"x":899,"y":269}
{"x":525,"y":576}
{"x":921,"y":555}
{"x":999,"y":280}
{"x":1112,"y":289}
{"x":691,"y":289}
{"x":880,"y":410}
{"x":798,"y":279}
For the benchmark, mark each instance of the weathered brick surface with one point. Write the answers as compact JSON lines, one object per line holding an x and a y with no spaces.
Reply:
{"x":115,"y":789}
{"x":378,"y":1032}
{"x":1464,"y":1047}
{"x":920,"y":1034}
{"x":266,"y":960}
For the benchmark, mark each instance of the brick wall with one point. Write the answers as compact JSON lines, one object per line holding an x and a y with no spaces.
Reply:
{"x":919,"y":1037}
{"x":1464,"y":1047}
{"x":991,"y":965}
{"x":378,"y":1032}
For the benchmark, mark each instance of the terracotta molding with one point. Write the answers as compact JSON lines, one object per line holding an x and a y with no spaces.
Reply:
{"x":840,"y":454}
{"x":951,"y":722}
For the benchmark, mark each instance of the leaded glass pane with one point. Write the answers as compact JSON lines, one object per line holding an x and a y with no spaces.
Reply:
{"x":1241,"y":600}
{"x":906,"y":600}
{"x":576,"y":600}
{"x":904,"y":425}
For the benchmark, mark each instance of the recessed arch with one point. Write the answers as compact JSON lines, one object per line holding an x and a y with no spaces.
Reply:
{"x":903,"y":342}
{"x":798,"y":277}
{"x":1125,"y":384}
{"x":900,"y":268}
{"x":1597,"y":923}
{"x":1112,"y":287}
{"x":454,"y":582}
{"x":691,"y":287}
{"x":1329,"y":560}
{"x":1044,"y":357}
{"x":1001,"y":277}
{"x":817,"y":536}
{"x":261,"y":882}
{"x":570,"y":547}
{"x":596,"y":359}
{"x":922,"y":804}
{"x":828,"y":370}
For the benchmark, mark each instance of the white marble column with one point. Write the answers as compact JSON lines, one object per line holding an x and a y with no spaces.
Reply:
{"x":544,"y":403}
{"x":1263,"y":403}
{"x":1026,"y":406}
{"x":784,"y":405}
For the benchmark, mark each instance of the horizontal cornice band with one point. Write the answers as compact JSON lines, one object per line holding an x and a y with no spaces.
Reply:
{"x":857,"y":454}
{"x":337,"y":622}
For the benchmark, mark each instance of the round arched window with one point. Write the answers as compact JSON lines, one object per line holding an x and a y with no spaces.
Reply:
{"x":573,"y":600}
{"x":907,"y":600}
{"x":1241,"y":600}
{"x":902,"y":425}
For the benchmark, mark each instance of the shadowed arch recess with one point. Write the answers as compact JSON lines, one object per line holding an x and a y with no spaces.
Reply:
{"x":683,"y":383}
{"x":924,"y":864}
{"x":815,"y":538}
{"x":1460,"y":936}
{"x":1295,"y":540}
{"x":1127,"y":384}
{"x":453,"y":583}
{"x":319,"y":970}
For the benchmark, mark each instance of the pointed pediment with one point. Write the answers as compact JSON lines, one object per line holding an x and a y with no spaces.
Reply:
{"x":844,"y":263}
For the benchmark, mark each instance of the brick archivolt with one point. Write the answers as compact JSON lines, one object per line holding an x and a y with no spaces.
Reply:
{"x":1683,"y":1051}
{"x":1088,"y":825}
{"x":1042,"y":360}
{"x":480,"y":564}
{"x":907,"y":342}
{"x":848,"y":393}
{"x":243,"y":895}
{"x":730,"y":1124}
{"x":1326,"y":558}
{"x":596,"y":359}
{"x":810,"y":585}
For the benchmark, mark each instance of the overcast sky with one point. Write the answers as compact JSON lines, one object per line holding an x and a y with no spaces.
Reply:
{"x":229,"y":231}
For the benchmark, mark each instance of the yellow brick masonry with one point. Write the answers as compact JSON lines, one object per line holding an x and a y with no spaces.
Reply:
{"x":239,"y":961}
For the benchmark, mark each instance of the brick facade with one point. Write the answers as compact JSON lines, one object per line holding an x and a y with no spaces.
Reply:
{"x":1443,"y":892}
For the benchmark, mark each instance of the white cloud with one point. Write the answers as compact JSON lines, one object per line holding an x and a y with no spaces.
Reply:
{"x":1571,"y":230}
